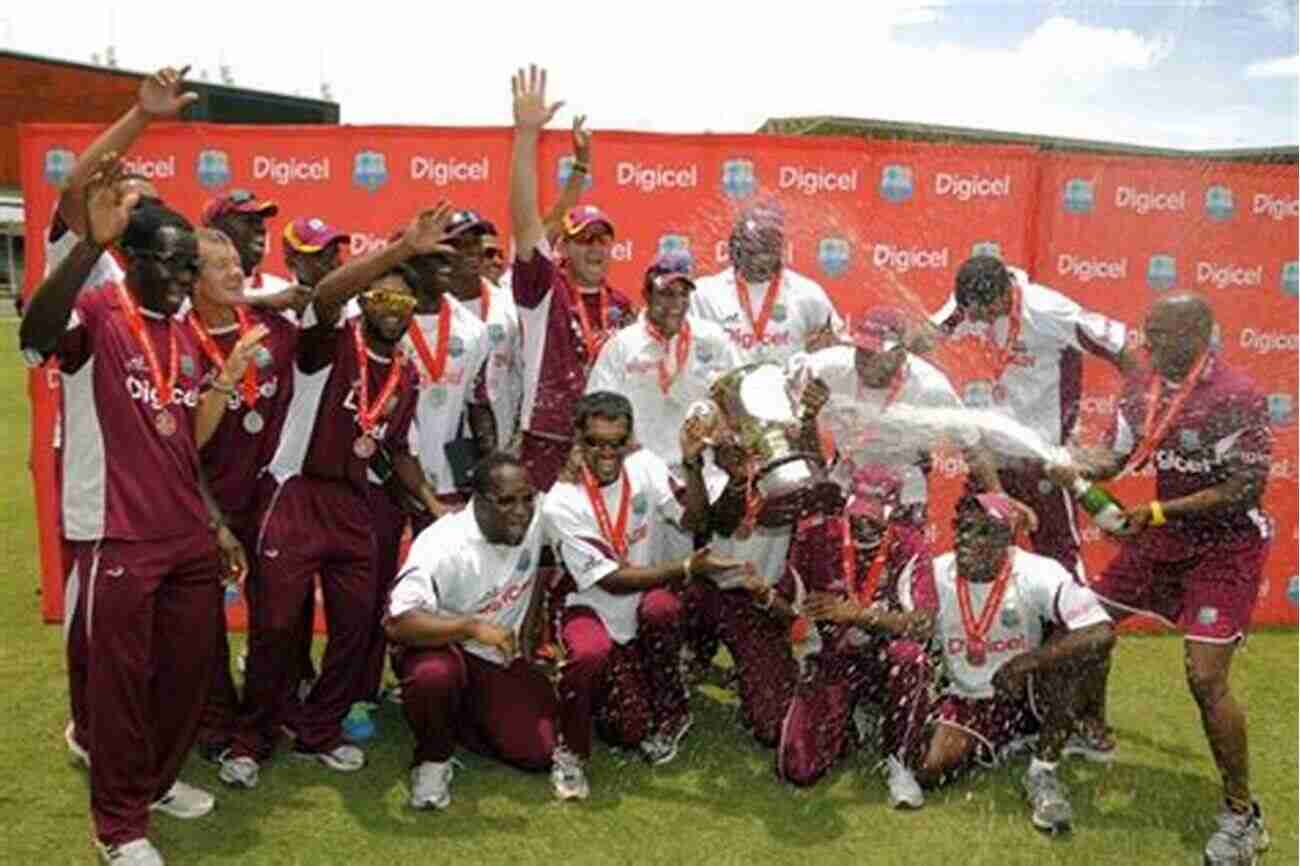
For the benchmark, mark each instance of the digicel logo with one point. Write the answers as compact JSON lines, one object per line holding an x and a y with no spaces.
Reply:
{"x":621,"y":251}
{"x":1276,"y":208}
{"x":1130,"y":198}
{"x":649,"y":178}
{"x":282,"y":172}
{"x":965,"y":188}
{"x":1223,"y":276}
{"x":811,"y":181}
{"x":1085,"y":270}
{"x":901,"y":260}
{"x":441,"y":172}
{"x":722,"y":252}
{"x":153,"y":169}
{"x":364,"y":243}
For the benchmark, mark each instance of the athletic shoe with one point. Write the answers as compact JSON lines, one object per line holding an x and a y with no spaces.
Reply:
{"x":137,"y":852}
{"x":76,"y":752}
{"x":238,"y":772}
{"x":358,"y":727}
{"x":567,"y":775}
{"x":213,"y":752}
{"x":1239,"y":840}
{"x":1017,"y":746}
{"x":345,"y":758}
{"x":1051,"y":810}
{"x":184,"y":801}
{"x":903,"y":787}
{"x":431,"y":785}
{"x":1091,"y":746}
{"x":662,"y":747}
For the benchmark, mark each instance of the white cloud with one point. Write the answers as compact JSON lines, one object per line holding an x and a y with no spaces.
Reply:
{"x":1278,"y":67}
{"x":1086,"y":53}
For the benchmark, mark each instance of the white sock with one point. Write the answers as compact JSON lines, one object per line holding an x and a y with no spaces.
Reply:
{"x":1037,"y":765}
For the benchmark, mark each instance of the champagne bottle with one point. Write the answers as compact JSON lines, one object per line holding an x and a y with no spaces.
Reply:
{"x":1106,"y":511}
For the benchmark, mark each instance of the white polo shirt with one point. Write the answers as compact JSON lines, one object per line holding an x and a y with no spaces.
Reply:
{"x":505,"y":372}
{"x":452,"y":569}
{"x":801,"y":307}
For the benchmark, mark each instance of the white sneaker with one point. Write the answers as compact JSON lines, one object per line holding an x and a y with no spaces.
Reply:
{"x":184,"y":801}
{"x":238,"y":772}
{"x":76,"y":753}
{"x":568,"y":776}
{"x":903,"y":787}
{"x":661,"y":748}
{"x":137,"y":852}
{"x":345,"y":758}
{"x":431,"y":785}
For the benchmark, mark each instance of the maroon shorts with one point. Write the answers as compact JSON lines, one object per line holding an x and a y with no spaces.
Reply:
{"x":1207,"y":597}
{"x":993,"y":722}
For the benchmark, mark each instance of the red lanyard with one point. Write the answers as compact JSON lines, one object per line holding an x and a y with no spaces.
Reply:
{"x":976,"y":629}
{"x":614,"y":533}
{"x":1154,"y":431}
{"x":210,"y":348}
{"x":1008,"y":349}
{"x":434,"y":365}
{"x":368,"y":413}
{"x":135,"y":321}
{"x":683,"y":352}
{"x":866,"y":588}
{"x":758,"y":325}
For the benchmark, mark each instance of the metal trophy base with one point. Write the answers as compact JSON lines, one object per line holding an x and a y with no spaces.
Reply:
{"x":793,"y":489}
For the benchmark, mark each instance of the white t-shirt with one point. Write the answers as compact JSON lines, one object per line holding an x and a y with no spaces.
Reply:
{"x":801,"y":308}
{"x":573,"y":527}
{"x":1039,"y":590}
{"x":1041,"y":384}
{"x":262,"y":284}
{"x":452,"y":569}
{"x":629,"y":365}
{"x":441,"y":406}
{"x":925,"y":413}
{"x":505,"y":372}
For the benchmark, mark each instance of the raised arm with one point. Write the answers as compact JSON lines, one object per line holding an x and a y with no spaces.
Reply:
{"x":531,"y":114}
{"x":159,"y":96}
{"x":578,"y":174}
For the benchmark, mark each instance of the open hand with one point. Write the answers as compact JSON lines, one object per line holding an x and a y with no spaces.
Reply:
{"x":243,"y":353}
{"x":428,"y":229}
{"x":160,"y":94}
{"x":830,"y":607}
{"x":581,"y":141}
{"x":234,"y":562}
{"x":529,"y":89}
{"x":108,"y":209}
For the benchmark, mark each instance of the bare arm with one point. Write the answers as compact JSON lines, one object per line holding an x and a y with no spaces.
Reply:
{"x":419,"y":628}
{"x":531,"y":114}
{"x":408,"y":472}
{"x":554,"y":219}
{"x":214,"y":403}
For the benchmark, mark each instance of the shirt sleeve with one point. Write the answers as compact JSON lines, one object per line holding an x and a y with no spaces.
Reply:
{"x":942,"y":317}
{"x":663,"y":493}
{"x":817,"y":308}
{"x":531,"y":280}
{"x":1057,"y":597}
{"x":416,"y":587}
{"x":1069,"y":324}
{"x":587,"y":558}
{"x":605,"y":374}
{"x":398,"y":435}
{"x":319,"y":341}
{"x":76,"y":344}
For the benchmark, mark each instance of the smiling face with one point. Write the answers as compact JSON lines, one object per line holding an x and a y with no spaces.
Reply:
{"x":505,"y":511}
{"x":221,"y":280}
{"x":604,"y":442}
{"x":467,"y":265}
{"x":666,"y":305}
{"x":248,"y":233}
{"x":310,"y":268}
{"x":164,"y":273}
{"x":981,"y":544}
{"x":1178,"y":333}
{"x":588,"y":253}
{"x":494,"y":259}
{"x":387,"y":306}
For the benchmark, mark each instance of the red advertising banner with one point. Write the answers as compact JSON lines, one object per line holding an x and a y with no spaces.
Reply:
{"x":871,"y":221}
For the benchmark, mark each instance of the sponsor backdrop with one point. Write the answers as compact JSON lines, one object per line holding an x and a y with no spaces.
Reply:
{"x":871,"y":221}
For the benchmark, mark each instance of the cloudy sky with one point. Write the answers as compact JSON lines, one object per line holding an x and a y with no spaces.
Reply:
{"x":1177,"y":74}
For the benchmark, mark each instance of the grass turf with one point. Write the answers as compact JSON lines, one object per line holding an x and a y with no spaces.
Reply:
{"x":717,"y":804}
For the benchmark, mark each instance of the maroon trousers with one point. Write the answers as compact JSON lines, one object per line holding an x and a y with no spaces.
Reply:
{"x":509,"y":713}
{"x":643,"y":692}
{"x":147,"y":618}
{"x":309,"y":527}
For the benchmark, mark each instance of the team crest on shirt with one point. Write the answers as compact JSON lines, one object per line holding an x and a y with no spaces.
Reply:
{"x":455,"y":347}
{"x":496,"y":332}
{"x":639,"y":504}
{"x":187,"y":365}
{"x":704,"y":354}
{"x":778,"y":312}
{"x":1010,"y":617}
{"x":1190,"y":440}
{"x":437,"y":395}
{"x":1207,"y":615}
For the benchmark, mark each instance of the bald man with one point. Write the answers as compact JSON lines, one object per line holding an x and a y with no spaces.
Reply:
{"x":1192,"y":557}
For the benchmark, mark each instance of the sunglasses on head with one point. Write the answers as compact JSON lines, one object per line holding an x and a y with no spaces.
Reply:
{"x":594,"y":444}
{"x":389,"y":299}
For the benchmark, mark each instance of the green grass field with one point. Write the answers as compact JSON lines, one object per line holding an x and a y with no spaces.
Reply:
{"x":717,"y":804}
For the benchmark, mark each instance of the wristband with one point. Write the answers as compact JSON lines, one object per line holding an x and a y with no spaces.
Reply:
{"x":579,"y":167}
{"x":1157,"y":513}
{"x":228,"y":390}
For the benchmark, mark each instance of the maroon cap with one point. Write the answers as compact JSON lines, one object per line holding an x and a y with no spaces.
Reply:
{"x":237,"y":201}
{"x":875,"y":492}
{"x":578,"y":218}
{"x":880,"y":329}
{"x":672,"y":266}
{"x":311,"y":235}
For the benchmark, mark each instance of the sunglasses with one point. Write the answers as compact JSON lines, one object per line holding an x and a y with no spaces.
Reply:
{"x":387,"y":299}
{"x":593,"y":237}
{"x":606,"y":444}
{"x":493,"y":253}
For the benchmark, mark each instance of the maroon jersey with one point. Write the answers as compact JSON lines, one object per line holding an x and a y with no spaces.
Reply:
{"x":246,"y":439}
{"x":321,"y":426}
{"x":555,"y":352}
{"x":130,"y":465}
{"x":1221,"y":432}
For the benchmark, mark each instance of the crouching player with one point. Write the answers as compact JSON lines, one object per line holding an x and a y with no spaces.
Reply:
{"x":455,"y":616}
{"x":1006,"y":681}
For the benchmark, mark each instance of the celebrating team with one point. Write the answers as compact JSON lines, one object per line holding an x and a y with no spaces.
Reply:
{"x":222,"y":425}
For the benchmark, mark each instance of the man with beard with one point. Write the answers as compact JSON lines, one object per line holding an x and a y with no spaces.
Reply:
{"x":769,"y":310}
{"x":457,"y":615}
{"x":566,"y":307}
{"x":609,"y":523}
{"x":143,"y":529}
{"x":1193,"y":556}
{"x":352,"y":391}
{"x":1006,"y":679}
{"x":469,"y":234}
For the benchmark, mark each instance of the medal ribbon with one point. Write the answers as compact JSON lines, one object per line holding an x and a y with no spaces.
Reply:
{"x":614,"y":533}
{"x":368,"y":413}
{"x":866,"y":588}
{"x":683,"y":352}
{"x":1007,"y":350}
{"x":592,"y":337}
{"x":759,"y":325}
{"x":976,"y":629}
{"x":214,"y":353}
{"x":135,"y":322}
{"x":1152,"y":430}
{"x":435,"y":365}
